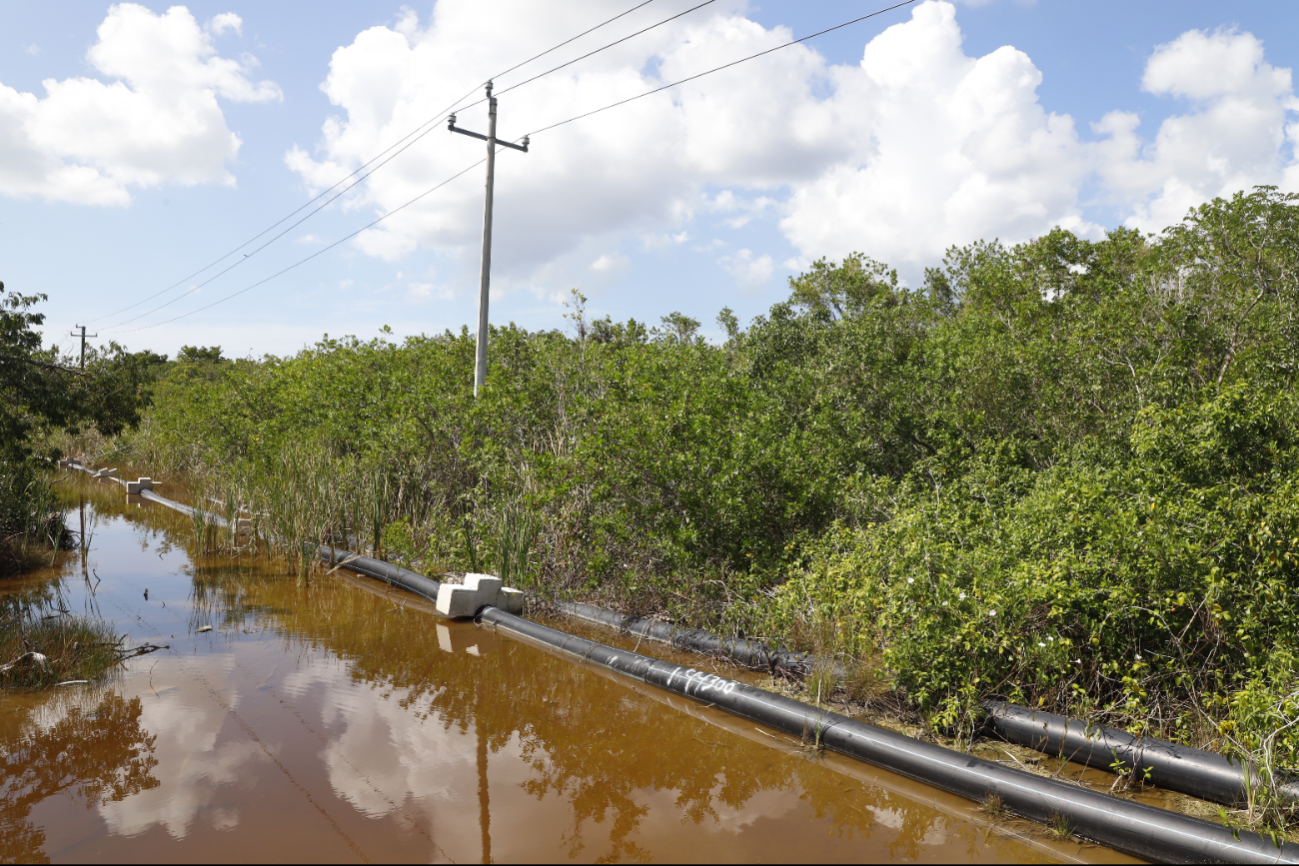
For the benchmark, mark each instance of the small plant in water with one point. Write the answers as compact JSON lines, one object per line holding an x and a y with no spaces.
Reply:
{"x":812,"y":733}
{"x":992,"y":804}
{"x":1059,"y":825}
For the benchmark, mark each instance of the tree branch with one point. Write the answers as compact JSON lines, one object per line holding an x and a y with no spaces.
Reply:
{"x":43,"y":364}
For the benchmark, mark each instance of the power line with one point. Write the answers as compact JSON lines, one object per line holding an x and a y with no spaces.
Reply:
{"x":404,"y":143}
{"x":537,"y":132}
{"x":247,"y":256}
{"x":603,"y":48}
{"x":369,"y":225}
{"x":574,"y":39}
{"x":720,"y":68}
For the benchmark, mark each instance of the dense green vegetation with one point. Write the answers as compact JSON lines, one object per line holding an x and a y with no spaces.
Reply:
{"x":39,"y":393}
{"x":1063,"y":472}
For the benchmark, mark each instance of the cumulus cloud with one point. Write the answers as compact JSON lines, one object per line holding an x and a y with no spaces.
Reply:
{"x":750,"y":271}
{"x":917,"y":147}
{"x":157,"y":120}
{"x":420,"y":293}
{"x":957,"y":148}
{"x":608,"y":264}
{"x":1237,"y":134}
{"x":626,"y":173}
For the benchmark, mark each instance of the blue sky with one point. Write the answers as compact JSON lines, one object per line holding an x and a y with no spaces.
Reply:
{"x":144,"y":141}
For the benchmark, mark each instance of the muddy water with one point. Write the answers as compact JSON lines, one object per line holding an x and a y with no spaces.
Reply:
{"x":338,"y":721}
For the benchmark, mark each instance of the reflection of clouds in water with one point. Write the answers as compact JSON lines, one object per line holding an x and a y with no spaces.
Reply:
{"x":383,"y":746}
{"x":191,"y":766}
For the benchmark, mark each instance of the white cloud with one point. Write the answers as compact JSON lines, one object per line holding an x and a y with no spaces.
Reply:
{"x":422,"y":292}
{"x":310,"y":239}
{"x":955,"y":149}
{"x":917,"y":147}
{"x":661,"y":241}
{"x":156,"y":121}
{"x":749,"y":271}
{"x":628,"y":173}
{"x":1237,"y":134}
{"x":32,"y":49}
{"x":610,"y":264}
{"x":223,"y":22}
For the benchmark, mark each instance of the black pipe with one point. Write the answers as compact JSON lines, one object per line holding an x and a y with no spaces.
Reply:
{"x":1128,"y":826}
{"x":380,"y":570}
{"x":1178,"y":768}
{"x":747,"y":653}
{"x":367,"y":565}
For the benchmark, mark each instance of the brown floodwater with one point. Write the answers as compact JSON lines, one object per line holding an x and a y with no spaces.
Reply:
{"x":340,"y":721}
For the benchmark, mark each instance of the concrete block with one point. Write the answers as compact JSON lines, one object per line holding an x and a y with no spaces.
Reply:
{"x":133,"y":488}
{"x":511,"y":600}
{"x":458,"y":602}
{"x":145,"y":483}
{"x":487,"y":586}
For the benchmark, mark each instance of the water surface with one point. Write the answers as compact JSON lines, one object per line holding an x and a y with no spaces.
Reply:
{"x":339,"y":721}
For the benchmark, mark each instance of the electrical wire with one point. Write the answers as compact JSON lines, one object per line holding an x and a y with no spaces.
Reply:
{"x":720,"y":68}
{"x":537,"y":132}
{"x":603,"y":48}
{"x":341,"y":240}
{"x":247,"y":256}
{"x":400,"y":145}
{"x":574,"y":39}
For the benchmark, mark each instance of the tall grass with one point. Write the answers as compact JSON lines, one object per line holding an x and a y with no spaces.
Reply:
{"x":38,"y":650}
{"x":32,"y":527}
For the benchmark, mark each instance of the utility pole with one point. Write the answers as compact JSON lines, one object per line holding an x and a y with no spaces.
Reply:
{"x":485,"y":277}
{"x":83,"y":336}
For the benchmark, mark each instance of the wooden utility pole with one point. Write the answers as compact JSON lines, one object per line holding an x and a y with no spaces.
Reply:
{"x":485,"y":276}
{"x":83,"y":336}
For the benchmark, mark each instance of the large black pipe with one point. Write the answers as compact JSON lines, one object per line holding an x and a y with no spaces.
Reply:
{"x":747,"y":653}
{"x":387,"y":572}
{"x":1178,"y":768}
{"x":367,"y":565}
{"x":1190,"y":771}
{"x":1128,"y":826}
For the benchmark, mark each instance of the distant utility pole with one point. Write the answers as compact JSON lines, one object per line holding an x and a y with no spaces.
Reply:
{"x":485,"y":279}
{"x":83,"y":336}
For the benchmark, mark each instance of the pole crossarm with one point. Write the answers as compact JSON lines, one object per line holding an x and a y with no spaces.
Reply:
{"x":451,"y":125}
{"x":84,"y":336}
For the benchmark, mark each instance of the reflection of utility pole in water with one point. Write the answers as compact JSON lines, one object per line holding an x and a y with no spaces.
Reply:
{"x":484,"y":814}
{"x":82,"y":539}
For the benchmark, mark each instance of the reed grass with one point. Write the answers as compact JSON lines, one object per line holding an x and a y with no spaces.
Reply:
{"x":39,"y":650}
{"x":32,"y":526}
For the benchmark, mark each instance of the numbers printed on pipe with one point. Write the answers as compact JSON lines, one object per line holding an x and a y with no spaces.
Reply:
{"x":698,"y":681}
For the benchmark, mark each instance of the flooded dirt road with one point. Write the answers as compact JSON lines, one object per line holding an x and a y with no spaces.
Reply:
{"x":338,"y":721}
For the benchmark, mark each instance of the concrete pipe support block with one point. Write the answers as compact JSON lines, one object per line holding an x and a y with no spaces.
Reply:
{"x":511,"y":600}
{"x":487,"y":586}
{"x":457,"y":602}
